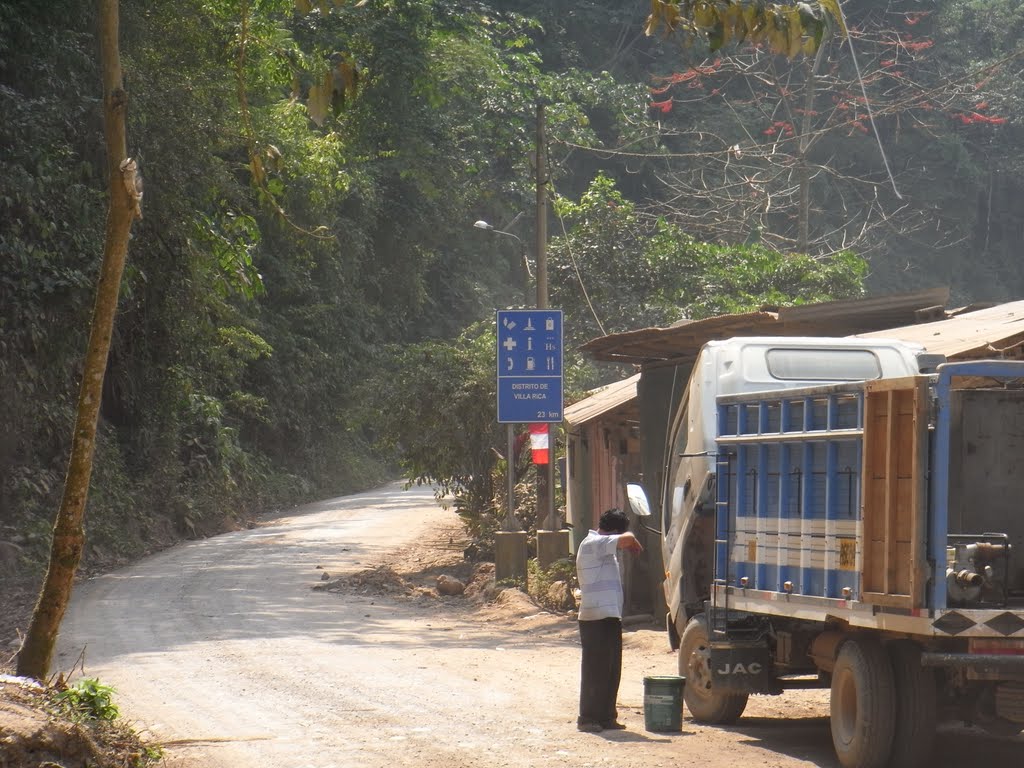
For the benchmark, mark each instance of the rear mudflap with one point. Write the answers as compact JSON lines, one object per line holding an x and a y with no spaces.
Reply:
{"x":743,"y":669}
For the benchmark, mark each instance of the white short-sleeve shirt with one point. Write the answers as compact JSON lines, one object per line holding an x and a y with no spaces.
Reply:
{"x":597,"y":568}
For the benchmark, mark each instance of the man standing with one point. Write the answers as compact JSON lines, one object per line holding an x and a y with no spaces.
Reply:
{"x":600,"y":619}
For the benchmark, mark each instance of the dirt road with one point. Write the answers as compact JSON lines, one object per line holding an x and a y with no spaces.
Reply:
{"x":223,"y":650}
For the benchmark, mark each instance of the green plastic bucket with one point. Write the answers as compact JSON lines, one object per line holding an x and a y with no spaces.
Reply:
{"x":663,"y":703}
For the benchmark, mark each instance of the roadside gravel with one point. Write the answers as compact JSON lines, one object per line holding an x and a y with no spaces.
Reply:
{"x":316,"y":640}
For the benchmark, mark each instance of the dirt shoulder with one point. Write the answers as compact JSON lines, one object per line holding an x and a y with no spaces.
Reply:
{"x":35,"y":732}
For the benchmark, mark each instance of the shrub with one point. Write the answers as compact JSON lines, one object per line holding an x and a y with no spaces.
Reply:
{"x":88,"y":699}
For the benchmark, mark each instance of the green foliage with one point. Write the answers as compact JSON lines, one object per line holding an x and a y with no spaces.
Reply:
{"x":608,"y":274}
{"x":89,"y":704}
{"x":148,"y":755}
{"x":982,"y":29}
{"x":231,"y":240}
{"x":746,"y":278}
{"x":630,"y":272}
{"x":241,"y":339}
{"x":512,"y":582}
{"x":433,"y":404}
{"x":88,"y":699}
{"x":51,"y":219}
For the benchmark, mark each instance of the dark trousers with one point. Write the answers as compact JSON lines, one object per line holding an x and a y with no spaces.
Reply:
{"x":600,"y":670}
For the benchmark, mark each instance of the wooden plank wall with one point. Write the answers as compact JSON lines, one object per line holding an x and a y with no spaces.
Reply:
{"x":893,"y":560}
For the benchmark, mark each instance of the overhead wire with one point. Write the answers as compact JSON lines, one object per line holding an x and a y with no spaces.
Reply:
{"x":579,"y":276}
{"x":867,"y":106}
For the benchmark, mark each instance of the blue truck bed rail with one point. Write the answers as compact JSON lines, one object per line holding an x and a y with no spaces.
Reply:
{"x":789,"y":490}
{"x":849,"y":500}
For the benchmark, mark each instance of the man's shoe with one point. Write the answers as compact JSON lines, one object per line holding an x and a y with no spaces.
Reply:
{"x":614,"y":725}
{"x":589,"y":727}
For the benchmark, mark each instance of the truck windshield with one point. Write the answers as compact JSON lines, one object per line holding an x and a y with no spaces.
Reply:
{"x":823,"y":364}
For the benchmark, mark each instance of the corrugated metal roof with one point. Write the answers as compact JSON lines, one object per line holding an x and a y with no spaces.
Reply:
{"x":993,"y":332}
{"x":649,"y":345}
{"x":602,"y":400}
{"x":683,"y":341}
{"x":996,"y":331}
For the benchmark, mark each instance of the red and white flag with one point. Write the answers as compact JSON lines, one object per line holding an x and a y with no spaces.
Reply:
{"x":539,"y":443}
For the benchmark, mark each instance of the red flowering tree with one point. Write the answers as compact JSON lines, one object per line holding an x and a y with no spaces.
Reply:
{"x":822,"y":149}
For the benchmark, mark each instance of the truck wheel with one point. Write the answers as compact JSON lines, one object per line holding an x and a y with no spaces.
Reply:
{"x":862,"y":707}
{"x":705,"y":704}
{"x":915,"y":706}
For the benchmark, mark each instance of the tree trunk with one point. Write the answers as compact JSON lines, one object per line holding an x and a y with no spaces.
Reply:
{"x":804,"y":229}
{"x":804,"y":175}
{"x":68,"y":533}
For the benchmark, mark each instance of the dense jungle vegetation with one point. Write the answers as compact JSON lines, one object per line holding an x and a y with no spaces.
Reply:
{"x":307,"y":306}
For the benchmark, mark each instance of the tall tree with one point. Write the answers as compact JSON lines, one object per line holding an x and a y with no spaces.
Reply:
{"x":849,"y":148}
{"x":125,"y":190}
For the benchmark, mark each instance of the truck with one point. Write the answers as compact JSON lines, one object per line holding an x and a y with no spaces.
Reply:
{"x":848,"y":513}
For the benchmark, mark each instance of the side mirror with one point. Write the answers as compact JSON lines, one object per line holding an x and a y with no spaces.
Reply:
{"x":640,"y":506}
{"x":638,"y":500}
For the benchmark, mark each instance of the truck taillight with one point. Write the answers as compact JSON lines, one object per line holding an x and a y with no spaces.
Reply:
{"x":997,"y":646}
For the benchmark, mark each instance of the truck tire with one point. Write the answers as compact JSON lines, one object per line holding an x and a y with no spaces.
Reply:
{"x":916,"y":704}
{"x":705,"y":704}
{"x":863,"y":710}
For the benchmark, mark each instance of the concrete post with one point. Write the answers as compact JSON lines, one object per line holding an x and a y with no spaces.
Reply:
{"x":551,"y":547}
{"x":510,"y":556}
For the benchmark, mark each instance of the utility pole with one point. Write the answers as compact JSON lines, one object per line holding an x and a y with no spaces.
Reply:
{"x":545,"y":489}
{"x":552,"y":543}
{"x":542,"y":213}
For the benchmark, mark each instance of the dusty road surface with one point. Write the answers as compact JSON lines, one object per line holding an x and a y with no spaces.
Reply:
{"x":223,"y":651}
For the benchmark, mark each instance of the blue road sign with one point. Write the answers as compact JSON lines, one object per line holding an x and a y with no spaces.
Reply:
{"x":529,"y":366}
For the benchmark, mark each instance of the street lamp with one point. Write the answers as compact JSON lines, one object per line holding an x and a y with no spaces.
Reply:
{"x":527,"y":274}
{"x":510,"y":521}
{"x":545,"y":490}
